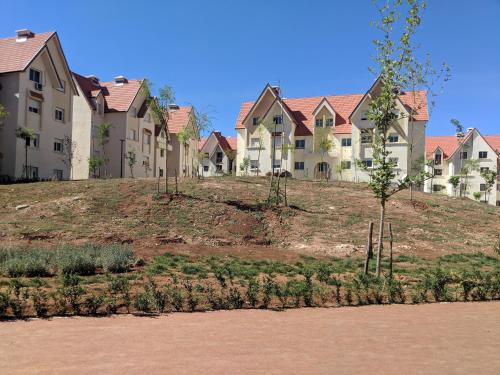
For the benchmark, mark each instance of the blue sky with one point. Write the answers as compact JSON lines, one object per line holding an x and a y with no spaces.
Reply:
{"x":217,"y":54}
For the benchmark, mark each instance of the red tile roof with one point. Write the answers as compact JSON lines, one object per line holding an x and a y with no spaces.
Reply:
{"x":119,"y":98}
{"x":16,"y":56}
{"x":178,"y":119}
{"x":494,"y":142}
{"x":449,"y":144}
{"x":224,"y":144}
{"x":201,"y":143}
{"x":232,"y":142}
{"x":343,"y":105}
{"x":89,"y":88}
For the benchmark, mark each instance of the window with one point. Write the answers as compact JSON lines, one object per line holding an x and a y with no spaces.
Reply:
{"x":255,"y":121}
{"x":437,"y":159}
{"x":394,"y":161}
{"x":319,"y":123}
{"x":205,"y":168}
{"x":133,"y":112}
{"x":438,"y":172}
{"x":145,"y":162}
{"x":254,"y":142}
{"x":277,"y":164}
{"x":33,"y":142}
{"x":132,"y":134}
{"x":300,"y":143}
{"x":483,"y":169}
{"x":35,"y":76}
{"x":368,"y":163}
{"x":218,"y":158}
{"x":482,"y":187}
{"x":278,"y":119}
{"x":393,"y":138}
{"x":59,"y":114}
{"x":160,"y":172}
{"x":254,"y":164}
{"x":364,"y":116}
{"x":345,"y":164}
{"x":323,"y":167}
{"x":366,"y":135}
{"x":58,"y":174}
{"x":437,"y":188}
{"x":162,"y":153}
{"x":147,"y":118}
{"x":62,"y":88}
{"x":299,"y":165}
{"x":100,"y":108}
{"x":277,"y":140}
{"x":34,"y":106}
{"x":463,"y":155}
{"x":58,"y":145}
{"x":32,"y":172}
{"x":329,"y":122}
{"x":483,"y":154}
{"x":346,"y":142}
{"x":147,"y":139}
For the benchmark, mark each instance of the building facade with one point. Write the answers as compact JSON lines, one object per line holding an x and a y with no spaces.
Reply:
{"x":217,"y":154}
{"x":464,"y":155}
{"x":37,"y":90}
{"x":324,"y":137}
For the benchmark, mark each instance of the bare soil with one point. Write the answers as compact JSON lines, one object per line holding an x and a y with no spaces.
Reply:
{"x":458,"y":338}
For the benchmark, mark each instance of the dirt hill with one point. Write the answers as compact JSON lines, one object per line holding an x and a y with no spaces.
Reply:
{"x":228,"y":215}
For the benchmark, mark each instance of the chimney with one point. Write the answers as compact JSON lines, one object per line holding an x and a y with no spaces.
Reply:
{"x":276,"y":89}
{"x":120,"y":80}
{"x":469,"y":130}
{"x":93,"y":78}
{"x":173,"y":107}
{"x":24,"y":34}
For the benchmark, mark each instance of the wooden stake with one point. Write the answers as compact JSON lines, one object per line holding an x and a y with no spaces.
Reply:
{"x":176,"y":186}
{"x":390,"y":250}
{"x":369,"y":245}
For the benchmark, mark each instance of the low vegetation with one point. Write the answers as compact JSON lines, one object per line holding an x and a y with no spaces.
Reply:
{"x":98,"y":280}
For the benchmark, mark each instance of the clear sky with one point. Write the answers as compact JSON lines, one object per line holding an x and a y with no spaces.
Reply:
{"x":217,"y":54}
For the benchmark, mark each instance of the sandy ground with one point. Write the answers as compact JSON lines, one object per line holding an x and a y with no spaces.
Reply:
{"x":427,"y":339}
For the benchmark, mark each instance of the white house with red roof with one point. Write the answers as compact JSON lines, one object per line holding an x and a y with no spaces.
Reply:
{"x":123,"y":104}
{"x":303,"y":129}
{"x":37,"y":89}
{"x":218,"y":155}
{"x":447,"y":155}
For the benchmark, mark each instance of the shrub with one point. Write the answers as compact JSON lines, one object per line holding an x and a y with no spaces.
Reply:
{"x":71,"y":291}
{"x":396,"y":292}
{"x":119,"y":287}
{"x":467,"y":283}
{"x":19,"y":296}
{"x":438,"y":281}
{"x":296,"y":290}
{"x":144,"y":302}
{"x":116,"y":258}
{"x":282,"y":292}
{"x":26,"y":262}
{"x":337,"y":283}
{"x":93,"y":302}
{"x":268,"y":289}
{"x":192,"y":297}
{"x":39,"y":298}
{"x":4,"y":304}
{"x":77,"y":261}
{"x":235,"y":299}
{"x":253,"y":292}
{"x":323,"y":272}
{"x":322,"y":292}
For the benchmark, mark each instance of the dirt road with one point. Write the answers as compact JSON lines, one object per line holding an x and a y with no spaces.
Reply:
{"x":427,"y":339}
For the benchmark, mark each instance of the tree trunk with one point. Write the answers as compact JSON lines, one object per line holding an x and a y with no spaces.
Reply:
{"x":286,"y":200}
{"x":380,"y":245}
{"x":25,"y":159}
{"x":390,"y":250}
{"x":176,"y":186}
{"x":369,"y":244}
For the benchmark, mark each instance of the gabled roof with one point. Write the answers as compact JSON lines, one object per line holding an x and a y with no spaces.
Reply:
{"x":89,"y":88}
{"x":16,"y":56}
{"x":449,"y":144}
{"x":494,"y":142}
{"x":226,"y":143}
{"x":232,"y":142}
{"x":178,"y":119}
{"x":120,"y":97}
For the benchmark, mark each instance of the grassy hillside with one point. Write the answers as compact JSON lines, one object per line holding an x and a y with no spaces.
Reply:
{"x":226,"y":214}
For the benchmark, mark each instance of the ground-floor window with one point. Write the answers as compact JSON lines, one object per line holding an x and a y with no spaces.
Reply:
{"x":299,"y":165}
{"x":345,"y":164}
{"x":160,"y":172}
{"x":437,"y":188}
{"x":58,"y":174}
{"x":205,"y":168}
{"x":31,"y":172}
{"x":438,"y":172}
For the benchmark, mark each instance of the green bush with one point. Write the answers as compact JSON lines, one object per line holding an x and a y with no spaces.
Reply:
{"x":4,"y":304}
{"x":26,"y":262}
{"x":78,"y":261}
{"x":116,"y":258}
{"x":253,"y":292}
{"x":94,"y":302}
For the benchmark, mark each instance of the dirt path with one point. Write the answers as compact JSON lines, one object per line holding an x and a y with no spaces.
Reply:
{"x":426,"y":339}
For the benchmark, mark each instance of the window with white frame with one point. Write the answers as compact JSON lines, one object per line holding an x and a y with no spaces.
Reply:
{"x":254,"y":142}
{"x":482,"y":187}
{"x":58,"y":174}
{"x":34,"y":106}
{"x":437,"y":158}
{"x":483,"y":169}
{"x":277,"y":164}
{"x":59,"y":114}
{"x":62,"y":88}
{"x":132,"y":134}
{"x":368,"y":163}
{"x":438,"y":172}
{"x":483,"y":154}
{"x":299,"y":165}
{"x":366,"y":135}
{"x":58,"y":145}
{"x":300,"y":144}
{"x":346,"y":142}
{"x":345,"y":164}
{"x":364,"y":115}
{"x":147,"y":117}
{"x":33,"y":142}
{"x":463,"y":155}
{"x":35,"y":76}
{"x":162,"y":153}
{"x":255,"y":121}
{"x":277,"y":140}
{"x":278,"y":119}
{"x":160,"y":172}
{"x":319,"y":123}
{"x":393,"y":138}
{"x":147,"y":138}
{"x":254,"y":164}
{"x":329,"y":122}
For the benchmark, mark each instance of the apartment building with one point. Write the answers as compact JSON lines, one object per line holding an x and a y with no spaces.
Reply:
{"x":184,"y":138}
{"x":37,"y":90}
{"x":448,"y":155}
{"x":123,"y":104}
{"x":218,"y":155}
{"x":323,"y":137}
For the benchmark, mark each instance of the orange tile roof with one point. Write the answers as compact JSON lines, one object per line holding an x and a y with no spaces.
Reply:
{"x":16,"y":56}
{"x":232,"y":142}
{"x":178,"y":119}
{"x":201,"y":143}
{"x":343,"y":105}
{"x":449,"y":144}
{"x":494,"y":142}
{"x":119,"y":98}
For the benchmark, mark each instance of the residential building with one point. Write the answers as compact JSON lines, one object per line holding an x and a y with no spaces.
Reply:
{"x":184,"y":137}
{"x":121,"y":103}
{"x":218,"y":154}
{"x":325,"y":136}
{"x":37,"y":89}
{"x":448,"y":155}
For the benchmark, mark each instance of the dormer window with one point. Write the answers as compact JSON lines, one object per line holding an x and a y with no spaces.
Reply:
{"x":329,"y":122}
{"x":36,"y":76}
{"x":393,"y":138}
{"x":278,"y":119}
{"x":255,"y":121}
{"x":319,"y":123}
{"x":364,"y":116}
{"x":437,"y":159}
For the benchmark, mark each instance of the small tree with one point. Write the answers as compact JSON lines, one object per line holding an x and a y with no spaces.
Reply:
{"x":131,"y":161}
{"x":261,"y":145}
{"x":339,"y":169}
{"x":477,"y":195}
{"x":68,"y":153}
{"x":95,"y":163}
{"x":454,"y":181}
{"x":102,"y":140}
{"x":469,"y":166}
{"x":3,"y":113}
{"x":324,"y":147}
{"x":490,"y":178}
{"x":25,"y":134}
{"x":245,"y":164}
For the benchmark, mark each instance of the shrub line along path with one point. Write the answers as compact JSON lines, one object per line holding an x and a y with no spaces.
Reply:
{"x":457,"y":338}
